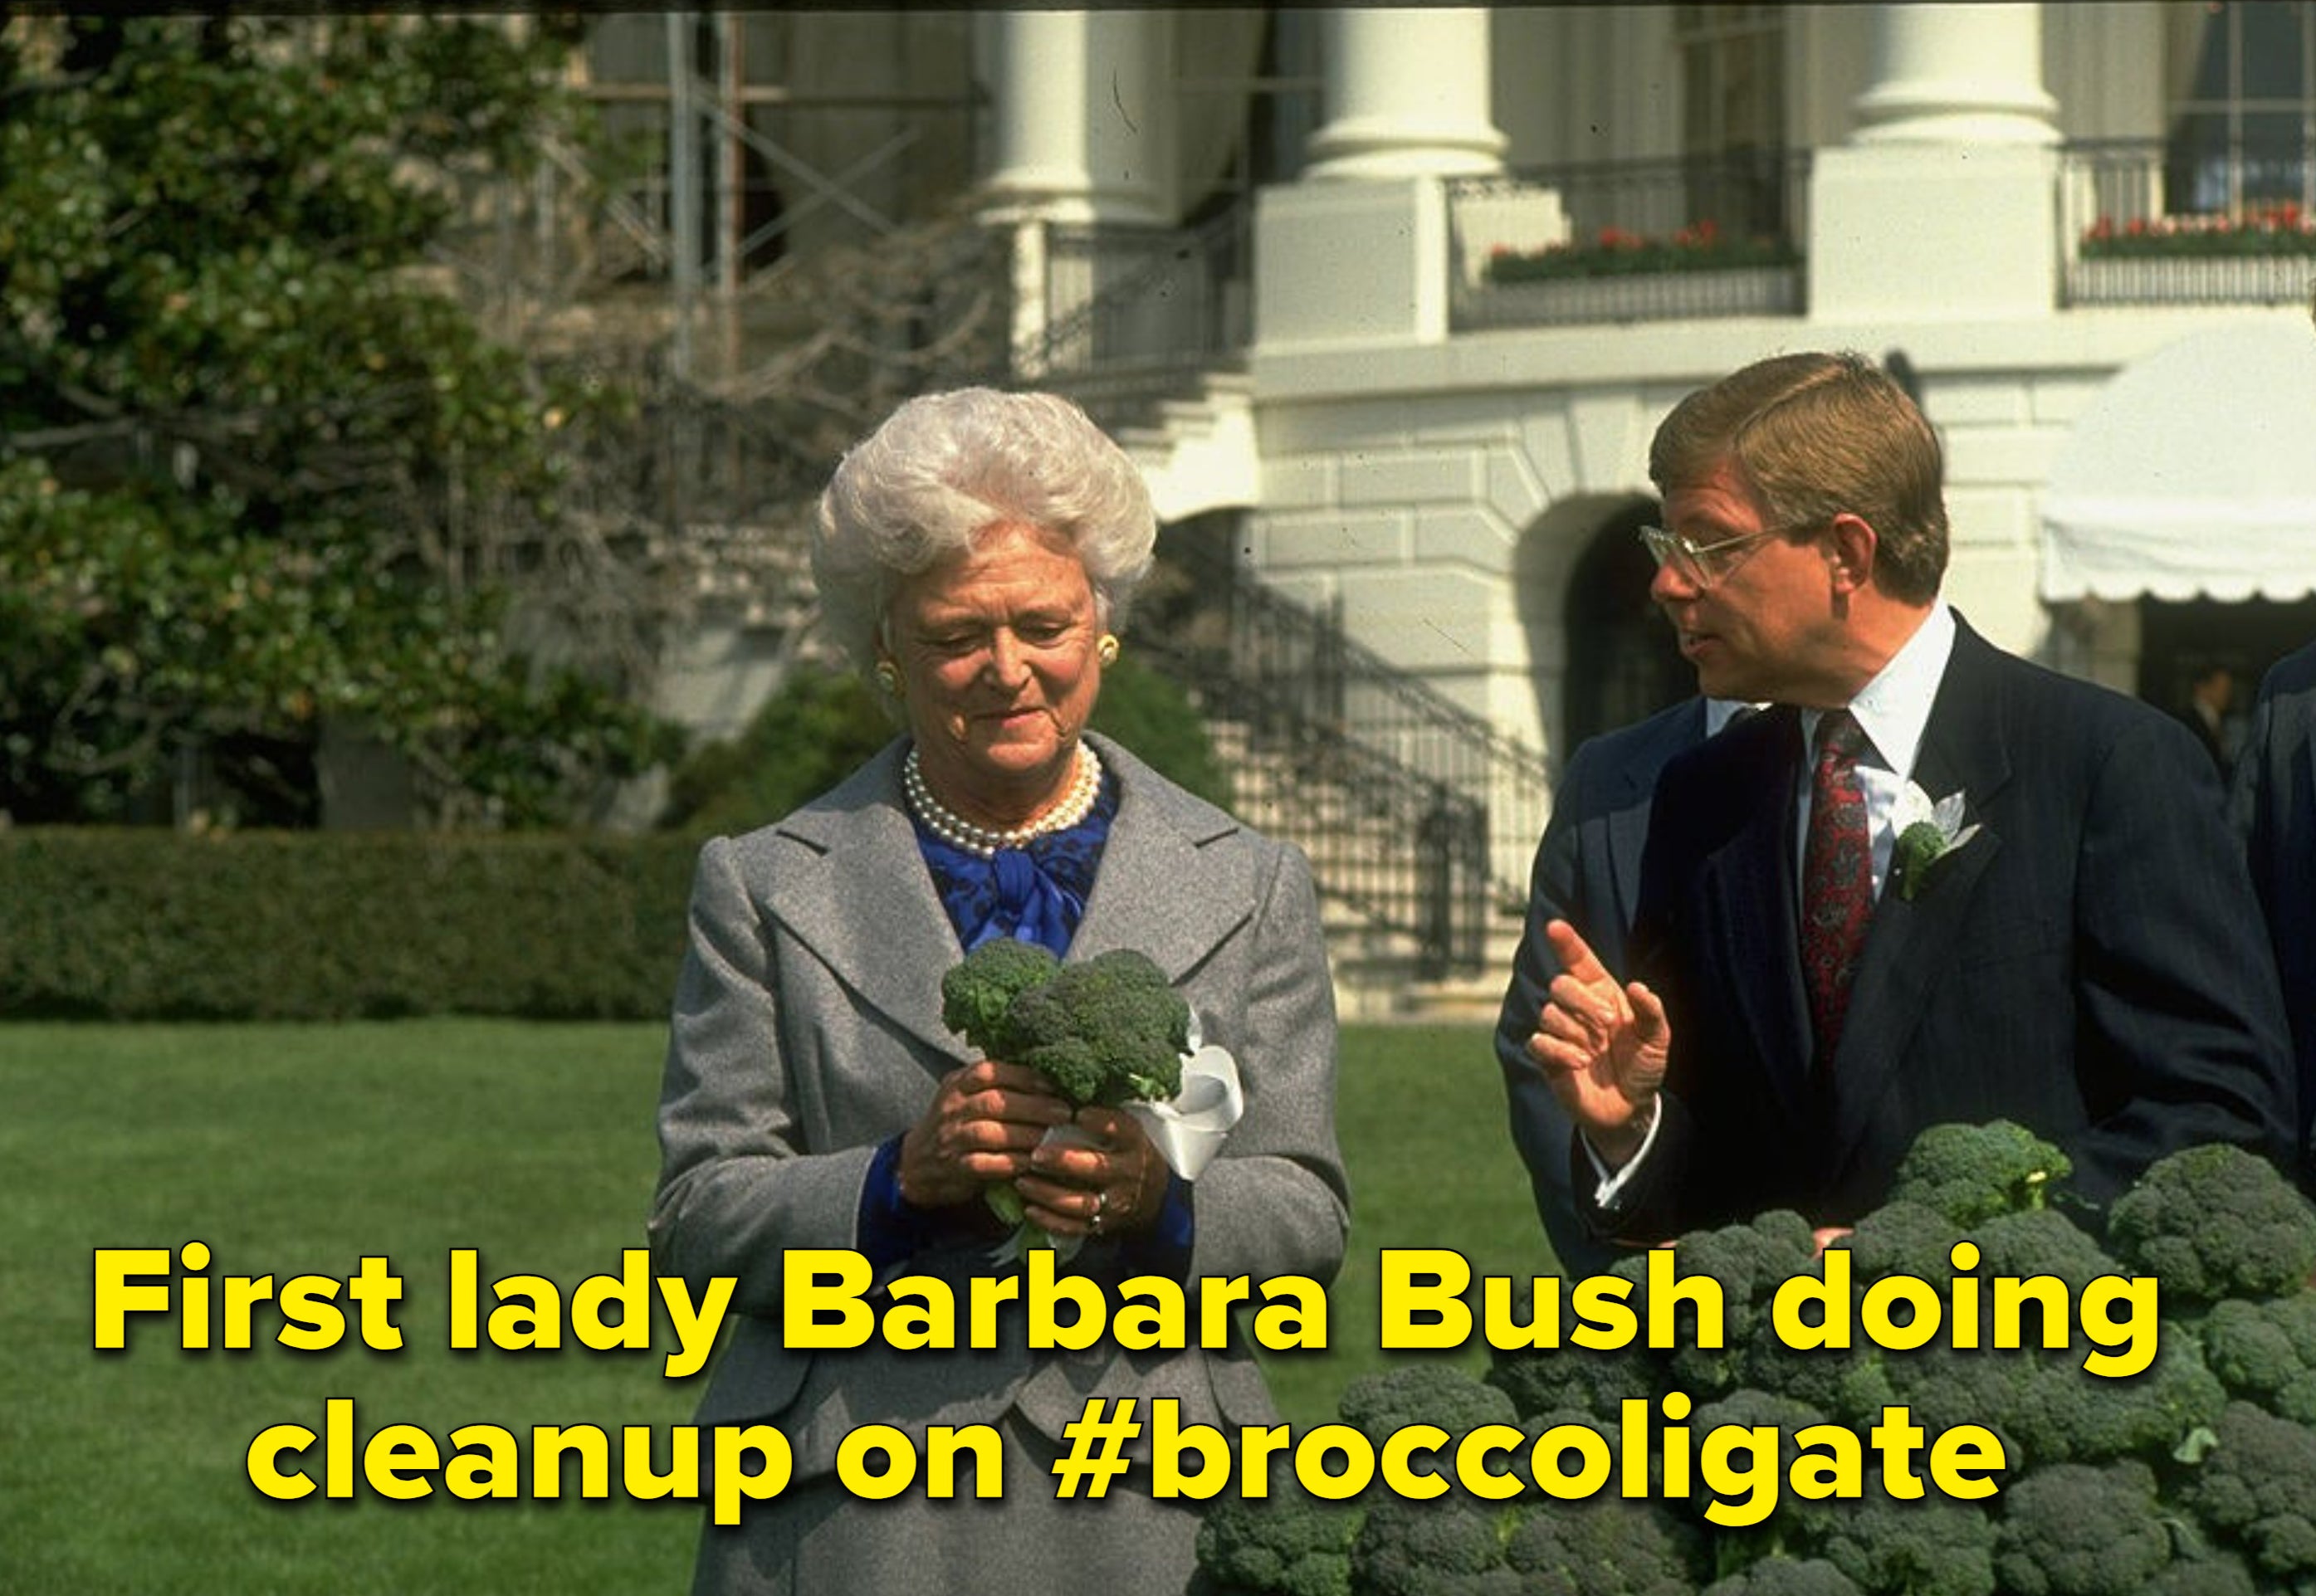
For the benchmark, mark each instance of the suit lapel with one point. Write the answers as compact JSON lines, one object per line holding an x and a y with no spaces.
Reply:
{"x":1746,"y":889}
{"x":865,"y":904}
{"x":1161,"y":888}
{"x":1628,"y":816}
{"x":1910,"y":943}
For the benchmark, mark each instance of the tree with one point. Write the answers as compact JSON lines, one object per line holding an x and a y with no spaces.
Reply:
{"x":255,"y":471}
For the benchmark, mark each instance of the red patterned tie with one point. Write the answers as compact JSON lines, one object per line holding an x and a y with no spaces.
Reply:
{"x":1837,"y":877}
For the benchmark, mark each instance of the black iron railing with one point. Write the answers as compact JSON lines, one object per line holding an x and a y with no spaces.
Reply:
{"x":1632,"y":240}
{"x":1128,"y":313}
{"x":2149,"y":222}
{"x":1419,"y":816}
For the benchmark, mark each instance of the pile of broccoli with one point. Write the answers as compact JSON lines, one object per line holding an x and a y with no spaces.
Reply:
{"x":2194,"y":1477}
{"x":1109,"y":1029}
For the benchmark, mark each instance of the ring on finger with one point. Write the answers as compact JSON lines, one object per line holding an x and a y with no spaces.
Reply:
{"x":1100,"y":1203}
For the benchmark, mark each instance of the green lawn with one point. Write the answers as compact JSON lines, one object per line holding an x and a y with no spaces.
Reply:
{"x":294,"y":1150}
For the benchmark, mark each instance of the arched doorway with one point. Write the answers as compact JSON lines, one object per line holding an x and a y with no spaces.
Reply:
{"x":1623,"y":663}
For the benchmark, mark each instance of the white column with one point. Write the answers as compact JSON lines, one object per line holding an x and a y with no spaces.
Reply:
{"x":1957,"y":74}
{"x":1359,"y":251}
{"x":1406,"y":96}
{"x":1128,"y":115}
{"x":1078,"y":117}
{"x":1038,"y":113}
{"x":1945,"y":203}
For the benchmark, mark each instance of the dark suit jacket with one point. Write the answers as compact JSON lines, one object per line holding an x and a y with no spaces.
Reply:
{"x":2207,"y":734}
{"x":1588,"y":873}
{"x":807,"y":1030}
{"x":2273,"y":807}
{"x":2090,"y":965}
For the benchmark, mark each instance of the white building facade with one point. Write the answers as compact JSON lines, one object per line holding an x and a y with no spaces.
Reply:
{"x":1370,"y":293}
{"x":1439,"y":453}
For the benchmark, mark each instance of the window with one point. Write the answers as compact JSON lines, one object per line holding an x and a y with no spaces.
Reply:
{"x":2243,"y":119}
{"x":1733,"y":132}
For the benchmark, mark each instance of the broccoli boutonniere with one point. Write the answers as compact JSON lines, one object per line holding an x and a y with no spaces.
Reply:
{"x":1927,"y":833}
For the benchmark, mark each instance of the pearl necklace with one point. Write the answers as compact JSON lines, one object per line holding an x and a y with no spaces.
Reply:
{"x":955,"y":830}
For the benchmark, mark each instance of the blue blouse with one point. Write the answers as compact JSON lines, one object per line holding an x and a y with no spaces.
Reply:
{"x":1038,"y":894}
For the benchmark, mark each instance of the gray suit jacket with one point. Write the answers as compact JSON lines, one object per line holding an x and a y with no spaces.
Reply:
{"x":1588,"y":873}
{"x":807,"y":1030}
{"x":2274,"y":806}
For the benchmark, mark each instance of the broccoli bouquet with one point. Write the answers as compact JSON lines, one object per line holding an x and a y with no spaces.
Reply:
{"x":1106,"y":1030}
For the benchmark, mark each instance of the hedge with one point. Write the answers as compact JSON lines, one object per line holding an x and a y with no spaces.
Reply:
{"x":134,"y":924}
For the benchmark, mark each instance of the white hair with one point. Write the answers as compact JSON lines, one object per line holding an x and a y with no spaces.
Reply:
{"x":945,"y":467}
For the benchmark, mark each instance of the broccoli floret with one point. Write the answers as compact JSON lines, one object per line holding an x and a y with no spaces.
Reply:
{"x":2046,"y":1408}
{"x":2150,"y":1415}
{"x":1445,"y":1547}
{"x":1422,"y":1394}
{"x":1794,"y":1521}
{"x":2063,"y":1413}
{"x":2266,"y":1352}
{"x":1944,"y":1388}
{"x":1575,"y":1379}
{"x":1109,"y":1030}
{"x":1971,"y":1173}
{"x":2040,"y":1241}
{"x":2204,"y":1574}
{"x":2216,"y":1222}
{"x":2253,"y":1490}
{"x":1936,"y":1547}
{"x":1604,"y":1548}
{"x":1787,"y":1576}
{"x":1853,"y":1387}
{"x":1750,"y":1261}
{"x":1287,"y":1544}
{"x":2072,"y":1530}
{"x":1571,"y":1378}
{"x":977,"y":993}
{"x":1900,"y":1238}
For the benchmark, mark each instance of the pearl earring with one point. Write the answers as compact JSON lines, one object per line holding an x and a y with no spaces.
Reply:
{"x":888,"y":678}
{"x":1106,"y":648}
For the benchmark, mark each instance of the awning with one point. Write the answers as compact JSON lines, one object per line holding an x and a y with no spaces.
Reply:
{"x":2193,"y":473}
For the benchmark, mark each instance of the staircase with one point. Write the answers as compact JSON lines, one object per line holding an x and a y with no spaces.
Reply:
{"x":1403,"y":801}
{"x":1380,"y":899}
{"x":1419,"y":817}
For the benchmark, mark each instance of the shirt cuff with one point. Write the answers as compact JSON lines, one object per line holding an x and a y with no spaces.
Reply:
{"x":1163,"y":1247}
{"x":1612,"y":1182}
{"x":889,"y":1229}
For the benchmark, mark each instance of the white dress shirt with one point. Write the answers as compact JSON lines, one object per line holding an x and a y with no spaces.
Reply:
{"x":1893,"y":710}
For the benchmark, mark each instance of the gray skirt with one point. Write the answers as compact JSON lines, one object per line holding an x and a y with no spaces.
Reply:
{"x":816,"y":1539}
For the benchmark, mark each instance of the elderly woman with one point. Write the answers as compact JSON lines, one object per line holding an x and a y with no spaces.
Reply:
{"x":974,"y":554}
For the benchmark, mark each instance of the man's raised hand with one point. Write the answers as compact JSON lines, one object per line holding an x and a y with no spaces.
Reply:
{"x":1602,"y":1047}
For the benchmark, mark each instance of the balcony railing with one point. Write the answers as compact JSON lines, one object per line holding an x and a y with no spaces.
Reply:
{"x":1120,"y":304}
{"x":2144,"y":223}
{"x":1631,"y":241}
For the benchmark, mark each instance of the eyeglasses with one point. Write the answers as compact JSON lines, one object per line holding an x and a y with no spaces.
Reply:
{"x":1702,"y":564}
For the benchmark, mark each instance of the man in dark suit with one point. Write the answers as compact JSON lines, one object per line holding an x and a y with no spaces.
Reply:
{"x":2274,"y":806}
{"x":2211,"y":696}
{"x":1588,"y":873}
{"x":2079,"y":950}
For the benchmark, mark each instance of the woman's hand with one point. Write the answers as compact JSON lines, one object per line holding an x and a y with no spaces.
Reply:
{"x":983,"y":1126}
{"x":1114,"y":1185}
